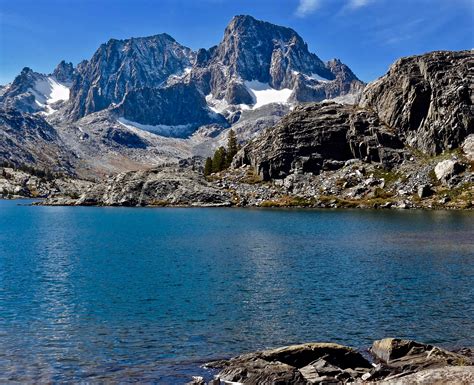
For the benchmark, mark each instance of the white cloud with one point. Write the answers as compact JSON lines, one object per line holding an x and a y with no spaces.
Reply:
{"x":358,"y":3}
{"x":305,"y":7}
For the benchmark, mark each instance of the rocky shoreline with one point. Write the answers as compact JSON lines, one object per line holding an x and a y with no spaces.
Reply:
{"x":392,"y":361}
{"x":439,"y":182}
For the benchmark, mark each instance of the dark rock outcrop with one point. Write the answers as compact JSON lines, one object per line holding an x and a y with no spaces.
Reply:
{"x":397,"y":362}
{"x":428,"y":99}
{"x":316,"y":133}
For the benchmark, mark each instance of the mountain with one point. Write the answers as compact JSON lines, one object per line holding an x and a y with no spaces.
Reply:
{"x":120,"y":66}
{"x":258,"y":62}
{"x":34,"y":92}
{"x":113,"y":109}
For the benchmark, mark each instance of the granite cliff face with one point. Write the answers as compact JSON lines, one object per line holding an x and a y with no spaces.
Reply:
{"x":428,"y":99}
{"x":120,"y":66}
{"x":424,"y":102}
{"x":315,"y":137}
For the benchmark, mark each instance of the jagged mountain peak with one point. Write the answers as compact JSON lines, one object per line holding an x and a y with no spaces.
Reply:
{"x":253,"y":49}
{"x":122,"y":65}
{"x":64,"y":72}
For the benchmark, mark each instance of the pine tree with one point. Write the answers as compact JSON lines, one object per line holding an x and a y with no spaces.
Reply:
{"x":219,"y":160}
{"x":232,"y":147}
{"x":208,"y":167}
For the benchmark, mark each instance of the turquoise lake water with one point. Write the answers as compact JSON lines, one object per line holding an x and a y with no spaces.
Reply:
{"x":147,"y":295}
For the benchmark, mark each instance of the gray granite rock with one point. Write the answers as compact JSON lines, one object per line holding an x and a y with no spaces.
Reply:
{"x":427,"y":98}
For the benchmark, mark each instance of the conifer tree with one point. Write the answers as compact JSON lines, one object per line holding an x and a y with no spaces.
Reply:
{"x":232,"y":147}
{"x":208,"y":166}
{"x":219,"y":160}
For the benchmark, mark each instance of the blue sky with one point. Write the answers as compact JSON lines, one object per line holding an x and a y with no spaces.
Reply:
{"x":368,"y":35}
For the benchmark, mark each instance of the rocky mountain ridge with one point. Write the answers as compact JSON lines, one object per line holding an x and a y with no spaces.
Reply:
{"x":143,"y":90}
{"x":253,"y":53}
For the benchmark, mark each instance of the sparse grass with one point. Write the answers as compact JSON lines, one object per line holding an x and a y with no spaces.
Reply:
{"x":463,"y":192}
{"x":389,"y":176}
{"x":381,"y":193}
{"x":353,"y":203}
{"x":288,"y":201}
{"x":251,"y":177}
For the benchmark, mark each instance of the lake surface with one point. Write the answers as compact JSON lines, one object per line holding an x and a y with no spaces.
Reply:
{"x":147,"y":295}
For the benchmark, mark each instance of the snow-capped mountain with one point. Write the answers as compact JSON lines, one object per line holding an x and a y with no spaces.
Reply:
{"x":143,"y":89}
{"x":35,"y":92}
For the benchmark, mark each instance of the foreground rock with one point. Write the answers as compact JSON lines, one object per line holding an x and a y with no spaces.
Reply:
{"x":397,"y":361}
{"x":458,"y":375}
{"x":296,"y":364}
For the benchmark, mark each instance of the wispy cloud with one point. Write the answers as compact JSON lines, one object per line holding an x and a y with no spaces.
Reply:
{"x":354,"y":4}
{"x":305,"y":7}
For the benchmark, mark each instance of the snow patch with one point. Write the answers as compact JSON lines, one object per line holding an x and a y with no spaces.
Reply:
{"x":48,"y":91}
{"x":219,"y":106}
{"x":319,"y":78}
{"x":313,"y":76}
{"x":264,"y":94}
{"x":160,"y":129}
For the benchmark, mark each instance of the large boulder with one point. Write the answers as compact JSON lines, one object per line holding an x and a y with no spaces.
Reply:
{"x":468,"y":147}
{"x":446,"y":169}
{"x":295,"y":364}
